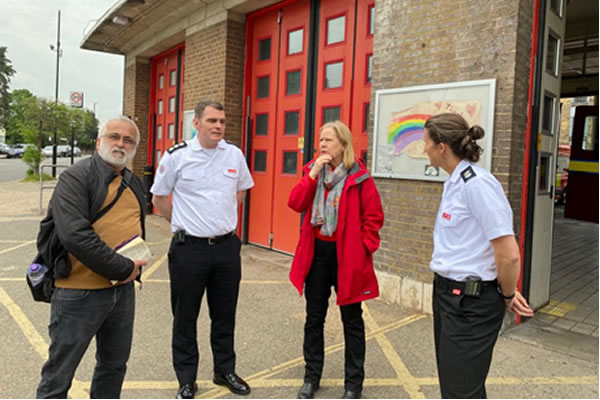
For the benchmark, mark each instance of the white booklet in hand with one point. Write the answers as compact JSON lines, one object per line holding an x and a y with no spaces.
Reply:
{"x":135,"y":249}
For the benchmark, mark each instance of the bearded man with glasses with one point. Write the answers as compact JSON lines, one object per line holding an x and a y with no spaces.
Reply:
{"x":97,"y":205}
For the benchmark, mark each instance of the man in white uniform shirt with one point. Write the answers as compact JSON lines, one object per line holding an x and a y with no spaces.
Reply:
{"x":208,"y":178}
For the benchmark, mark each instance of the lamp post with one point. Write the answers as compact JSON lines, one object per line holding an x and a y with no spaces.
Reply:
{"x":58,"y":54}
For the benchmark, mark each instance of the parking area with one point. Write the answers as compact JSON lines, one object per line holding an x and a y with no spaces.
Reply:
{"x":400,"y":356}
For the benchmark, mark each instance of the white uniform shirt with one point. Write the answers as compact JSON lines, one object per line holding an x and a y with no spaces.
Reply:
{"x":204,"y":183}
{"x":473,"y":211}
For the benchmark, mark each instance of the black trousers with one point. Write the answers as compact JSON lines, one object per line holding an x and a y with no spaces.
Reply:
{"x":196,"y":266}
{"x":317,"y":289}
{"x":465,"y":329}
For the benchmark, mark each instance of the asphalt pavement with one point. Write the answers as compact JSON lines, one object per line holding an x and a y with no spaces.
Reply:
{"x":12,"y":169}
{"x":528,"y":362}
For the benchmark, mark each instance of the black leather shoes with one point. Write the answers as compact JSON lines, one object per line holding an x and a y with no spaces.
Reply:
{"x":187,"y":391}
{"x":236,"y":384}
{"x":307,"y":391}
{"x":350,"y":394}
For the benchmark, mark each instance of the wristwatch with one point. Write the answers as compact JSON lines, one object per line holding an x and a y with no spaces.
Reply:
{"x":510,"y":297}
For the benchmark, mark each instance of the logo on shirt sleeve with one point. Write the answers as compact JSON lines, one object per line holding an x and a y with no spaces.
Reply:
{"x":446,"y":216}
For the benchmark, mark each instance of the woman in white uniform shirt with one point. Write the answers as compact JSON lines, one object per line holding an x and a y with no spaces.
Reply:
{"x":475,"y":259}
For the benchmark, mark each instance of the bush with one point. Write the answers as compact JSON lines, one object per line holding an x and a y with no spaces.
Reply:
{"x":33,"y":158}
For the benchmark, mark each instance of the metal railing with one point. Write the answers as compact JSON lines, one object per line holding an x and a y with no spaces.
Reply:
{"x":42,"y":186}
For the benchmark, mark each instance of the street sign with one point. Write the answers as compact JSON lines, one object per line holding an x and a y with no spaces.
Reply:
{"x":76,"y":99}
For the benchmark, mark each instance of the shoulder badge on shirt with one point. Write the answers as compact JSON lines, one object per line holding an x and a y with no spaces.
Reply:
{"x":176,"y":146}
{"x":467,"y":174}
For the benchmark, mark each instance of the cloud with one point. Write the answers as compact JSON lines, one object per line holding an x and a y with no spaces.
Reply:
{"x":28,"y":28}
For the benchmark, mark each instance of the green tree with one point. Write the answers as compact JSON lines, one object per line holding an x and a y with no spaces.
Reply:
{"x":6,"y":71}
{"x":35,"y":120}
{"x":23,"y":110}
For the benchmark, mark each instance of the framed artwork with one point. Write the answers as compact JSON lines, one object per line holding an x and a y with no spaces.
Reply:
{"x":188,"y":131}
{"x":400,"y":116}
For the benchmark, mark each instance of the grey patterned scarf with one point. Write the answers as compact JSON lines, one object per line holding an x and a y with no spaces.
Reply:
{"x":325,"y":210}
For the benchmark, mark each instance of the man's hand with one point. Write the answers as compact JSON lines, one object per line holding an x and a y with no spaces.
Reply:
{"x":519,"y":305}
{"x":137,"y":265}
{"x":322,"y":160}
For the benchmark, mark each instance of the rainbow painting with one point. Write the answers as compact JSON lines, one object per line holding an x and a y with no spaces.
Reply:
{"x":405,"y":130}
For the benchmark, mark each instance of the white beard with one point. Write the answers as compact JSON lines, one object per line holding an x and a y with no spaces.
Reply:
{"x":111,"y":154}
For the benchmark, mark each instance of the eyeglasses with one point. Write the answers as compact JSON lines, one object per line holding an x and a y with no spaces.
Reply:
{"x":115,"y":137}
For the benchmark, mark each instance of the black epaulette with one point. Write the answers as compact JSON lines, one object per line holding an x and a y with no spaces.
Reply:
{"x":231,"y":143}
{"x":176,"y":146}
{"x":468,"y":173}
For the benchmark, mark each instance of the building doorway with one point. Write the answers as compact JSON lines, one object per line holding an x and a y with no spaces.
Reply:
{"x":307,"y":63}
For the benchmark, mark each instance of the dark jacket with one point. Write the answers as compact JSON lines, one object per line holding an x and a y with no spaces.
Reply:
{"x":77,"y":199}
{"x":360,"y":216}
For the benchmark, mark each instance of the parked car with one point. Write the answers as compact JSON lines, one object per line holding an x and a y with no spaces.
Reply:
{"x":47,"y":151}
{"x":61,"y":151}
{"x":562,"y":174}
{"x":3,"y":148}
{"x":76,"y":152}
{"x":16,"y":151}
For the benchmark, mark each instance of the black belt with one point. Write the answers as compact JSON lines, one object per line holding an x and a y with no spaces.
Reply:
{"x":440,"y":280}
{"x":209,"y":240}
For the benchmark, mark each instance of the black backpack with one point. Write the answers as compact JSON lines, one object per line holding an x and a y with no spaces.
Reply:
{"x":53,"y":255}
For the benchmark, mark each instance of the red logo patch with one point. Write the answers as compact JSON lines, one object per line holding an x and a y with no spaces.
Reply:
{"x":232,"y":170}
{"x":456,"y":292}
{"x":446,"y":216}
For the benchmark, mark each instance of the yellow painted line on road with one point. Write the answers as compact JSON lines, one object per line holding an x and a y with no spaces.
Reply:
{"x":410,"y":385}
{"x":37,"y":342}
{"x":79,"y":390}
{"x":158,"y":385}
{"x":267,"y":373}
{"x":146,"y":274}
{"x":215,"y":393}
{"x":542,"y":380}
{"x":369,"y":382}
{"x":17,"y":247}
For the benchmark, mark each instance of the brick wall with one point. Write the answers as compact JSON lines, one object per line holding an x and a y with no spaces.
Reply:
{"x":214,"y":69}
{"x":136,"y":106}
{"x":442,"y":41}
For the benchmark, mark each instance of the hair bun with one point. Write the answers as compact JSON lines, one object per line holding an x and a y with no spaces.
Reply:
{"x":475,"y":132}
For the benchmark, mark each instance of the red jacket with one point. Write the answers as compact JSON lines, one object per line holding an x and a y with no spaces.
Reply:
{"x":360,"y":216}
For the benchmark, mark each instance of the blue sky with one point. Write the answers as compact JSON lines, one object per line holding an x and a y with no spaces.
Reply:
{"x":28,"y":27}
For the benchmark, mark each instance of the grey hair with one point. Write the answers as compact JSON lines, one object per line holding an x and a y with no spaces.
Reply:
{"x":122,"y":118}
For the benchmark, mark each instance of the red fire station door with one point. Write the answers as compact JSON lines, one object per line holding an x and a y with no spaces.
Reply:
{"x":279,"y":41}
{"x":344,"y":70}
{"x":165,"y":69}
{"x":163,"y":101}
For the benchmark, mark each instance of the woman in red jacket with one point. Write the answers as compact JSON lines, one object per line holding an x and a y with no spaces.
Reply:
{"x":339,"y":235}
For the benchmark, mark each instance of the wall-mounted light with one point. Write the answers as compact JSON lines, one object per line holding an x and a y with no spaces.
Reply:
{"x":120,"y":20}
